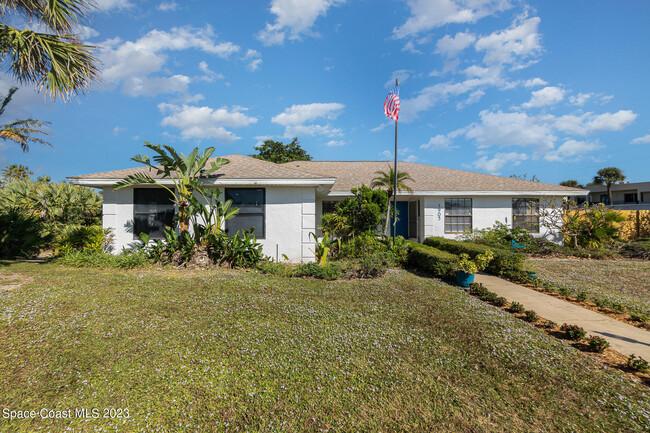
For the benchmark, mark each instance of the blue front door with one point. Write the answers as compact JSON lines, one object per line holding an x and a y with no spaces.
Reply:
{"x":402,"y":226}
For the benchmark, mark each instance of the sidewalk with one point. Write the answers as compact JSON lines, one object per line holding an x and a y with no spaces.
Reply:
{"x":623,"y":338}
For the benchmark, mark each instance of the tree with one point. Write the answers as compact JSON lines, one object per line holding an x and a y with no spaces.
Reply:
{"x":278,"y":152}
{"x":21,"y":131}
{"x":17,"y":172}
{"x":56,"y":61}
{"x":571,"y":184}
{"x":387,"y":180}
{"x":358,"y":214}
{"x":608,"y":176}
{"x":184,"y":171}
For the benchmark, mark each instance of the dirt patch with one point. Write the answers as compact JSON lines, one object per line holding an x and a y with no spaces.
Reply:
{"x":13,"y":281}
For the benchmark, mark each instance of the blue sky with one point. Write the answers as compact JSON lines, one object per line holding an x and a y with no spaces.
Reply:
{"x":551,"y":89}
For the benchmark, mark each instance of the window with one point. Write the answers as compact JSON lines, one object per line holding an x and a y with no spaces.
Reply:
{"x":629,"y":197}
{"x":525,"y":214}
{"x":329,"y":207}
{"x":604,"y":198}
{"x":250,"y":202}
{"x":153,"y":210}
{"x":458,"y":215}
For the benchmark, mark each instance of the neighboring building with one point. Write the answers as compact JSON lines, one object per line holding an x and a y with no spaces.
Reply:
{"x":284,"y":202}
{"x":624,"y":195}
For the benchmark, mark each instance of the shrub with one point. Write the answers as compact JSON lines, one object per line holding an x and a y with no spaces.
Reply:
{"x":637,"y":363}
{"x":373,"y":265}
{"x":639,"y":317}
{"x":639,"y":249}
{"x":478,"y":289}
{"x":618,"y":307}
{"x":602,"y":302}
{"x":99,"y":259}
{"x":479,"y":263}
{"x":490,"y":297}
{"x":531,"y":316}
{"x":21,"y":235}
{"x":573,"y":332}
{"x":504,"y":262}
{"x":516,"y":307}
{"x":500,"y":301}
{"x":432,"y":261}
{"x":273,"y":268}
{"x":86,"y":238}
{"x":564,"y":291}
{"x":549,"y":324}
{"x":582,"y":296}
{"x":329,"y":272}
{"x":597,"y":343}
{"x":500,"y":236}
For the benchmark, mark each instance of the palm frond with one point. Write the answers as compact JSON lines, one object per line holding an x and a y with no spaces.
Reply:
{"x":135,"y":179}
{"x":7,"y":99}
{"x":21,"y":132}
{"x":60,"y":64}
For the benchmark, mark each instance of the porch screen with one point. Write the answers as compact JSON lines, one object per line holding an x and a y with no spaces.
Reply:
{"x":153,"y":210}
{"x":458,"y":215}
{"x":525,"y":214}
{"x":250,"y":202}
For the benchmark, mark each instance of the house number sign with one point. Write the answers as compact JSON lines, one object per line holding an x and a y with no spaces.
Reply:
{"x":439,"y":211}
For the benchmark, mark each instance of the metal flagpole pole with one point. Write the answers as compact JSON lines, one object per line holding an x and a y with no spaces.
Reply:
{"x":395,"y":177}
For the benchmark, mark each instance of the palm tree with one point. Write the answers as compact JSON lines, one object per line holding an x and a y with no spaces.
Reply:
{"x":571,"y":183}
{"x":21,"y":131}
{"x":17,"y":172}
{"x":608,"y":176}
{"x":56,"y":61}
{"x":387,"y":180}
{"x":184,"y":172}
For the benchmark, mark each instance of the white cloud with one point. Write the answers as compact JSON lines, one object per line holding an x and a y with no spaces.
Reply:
{"x":294,"y":18}
{"x":571,"y":150}
{"x":335,"y":143}
{"x":546,"y":96}
{"x":205,"y":122}
{"x":294,"y":119}
{"x":535,"y":82}
{"x":642,"y":140}
{"x":580,"y":99}
{"x":86,"y":32}
{"x":451,"y":46}
{"x":208,"y":74}
{"x":495,"y":164}
{"x":130,"y":63}
{"x":439,"y":142}
{"x":409,"y":47}
{"x":511,"y":129}
{"x":508,"y":46}
{"x":255,"y":59}
{"x":117,"y":130}
{"x":402,"y":74}
{"x":167,"y":6}
{"x":106,"y":5}
{"x":429,"y":14}
{"x":588,"y":123}
{"x":382,"y":126}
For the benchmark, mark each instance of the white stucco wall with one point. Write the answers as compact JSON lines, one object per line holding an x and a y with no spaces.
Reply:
{"x":290,"y":216}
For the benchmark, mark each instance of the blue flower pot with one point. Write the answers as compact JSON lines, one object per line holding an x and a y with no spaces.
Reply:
{"x":463,"y":279}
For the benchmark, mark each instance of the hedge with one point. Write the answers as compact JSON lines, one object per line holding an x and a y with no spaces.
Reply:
{"x":431,"y":260}
{"x":504,"y":262}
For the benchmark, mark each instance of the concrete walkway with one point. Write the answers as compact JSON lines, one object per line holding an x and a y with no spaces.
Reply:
{"x":622,"y":337}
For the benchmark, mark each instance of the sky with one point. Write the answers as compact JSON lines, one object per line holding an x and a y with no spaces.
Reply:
{"x":555,"y":90}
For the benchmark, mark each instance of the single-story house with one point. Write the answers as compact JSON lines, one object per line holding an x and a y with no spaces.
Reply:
{"x":284,"y":202}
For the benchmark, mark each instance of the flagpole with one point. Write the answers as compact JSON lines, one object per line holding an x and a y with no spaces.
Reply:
{"x":395,"y":176}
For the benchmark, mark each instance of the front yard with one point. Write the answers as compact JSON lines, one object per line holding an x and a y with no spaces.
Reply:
{"x":626,"y":282}
{"x":239,"y":351}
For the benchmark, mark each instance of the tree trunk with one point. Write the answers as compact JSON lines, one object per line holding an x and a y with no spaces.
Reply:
{"x":609,"y":193}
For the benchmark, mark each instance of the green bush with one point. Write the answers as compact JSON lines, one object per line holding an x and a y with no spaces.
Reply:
{"x":516,"y":307}
{"x":637,"y":363}
{"x":503,"y":263}
{"x":597,"y":343}
{"x":582,"y":296}
{"x":500,"y":301}
{"x":21,"y":235}
{"x":549,"y":324}
{"x":273,"y":268}
{"x":432,"y":261}
{"x":639,"y":249}
{"x":373,"y":265}
{"x":329,"y":272}
{"x":500,"y":236}
{"x":78,"y":238}
{"x":530,"y":316}
{"x":573,"y":332}
{"x":639,"y":317}
{"x":98,"y":259}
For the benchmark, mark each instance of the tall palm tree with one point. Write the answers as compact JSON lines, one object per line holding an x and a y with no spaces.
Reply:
{"x":56,"y":61}
{"x":21,"y":131}
{"x":608,"y":176}
{"x":183,"y":170}
{"x":571,"y":183}
{"x":387,"y":180}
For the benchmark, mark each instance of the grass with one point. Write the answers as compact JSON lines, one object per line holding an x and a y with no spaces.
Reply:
{"x":238,"y":351}
{"x":624,"y":282}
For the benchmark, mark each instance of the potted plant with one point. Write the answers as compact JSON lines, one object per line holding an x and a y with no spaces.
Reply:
{"x":467,"y":267}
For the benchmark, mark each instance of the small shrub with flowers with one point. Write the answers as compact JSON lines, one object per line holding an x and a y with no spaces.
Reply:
{"x":573,"y":332}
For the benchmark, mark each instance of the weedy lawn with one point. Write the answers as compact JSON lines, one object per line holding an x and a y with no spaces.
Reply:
{"x":626,"y":282}
{"x":239,"y":351}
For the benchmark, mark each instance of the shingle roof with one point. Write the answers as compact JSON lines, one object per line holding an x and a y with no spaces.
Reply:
{"x":351,"y":174}
{"x":239,"y":167}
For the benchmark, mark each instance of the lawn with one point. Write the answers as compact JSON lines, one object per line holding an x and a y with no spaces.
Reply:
{"x":238,"y":351}
{"x":626,"y":282}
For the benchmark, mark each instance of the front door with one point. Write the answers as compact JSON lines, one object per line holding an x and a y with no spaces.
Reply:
{"x":402,"y":226}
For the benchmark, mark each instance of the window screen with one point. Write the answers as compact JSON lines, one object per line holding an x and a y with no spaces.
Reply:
{"x":525,"y":214}
{"x":458,"y":215}
{"x":250,"y":202}
{"x":153,"y":210}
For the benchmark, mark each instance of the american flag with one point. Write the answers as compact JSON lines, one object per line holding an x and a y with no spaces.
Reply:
{"x":391,"y":106}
